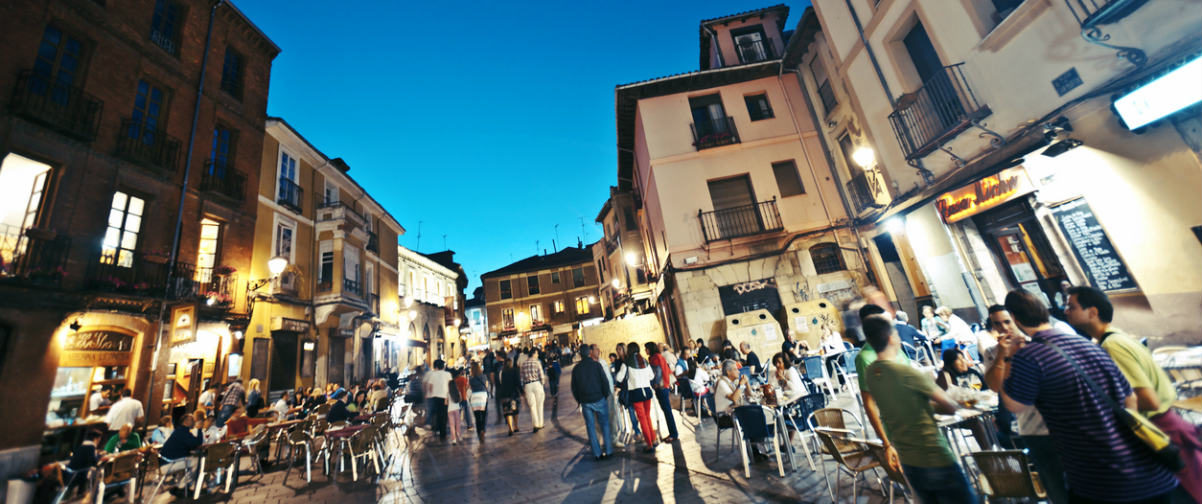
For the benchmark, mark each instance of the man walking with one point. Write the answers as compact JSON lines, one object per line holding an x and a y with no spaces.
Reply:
{"x":904,"y":396}
{"x":438,"y":389}
{"x":234,"y":397}
{"x":533,"y":379}
{"x":1089,"y":312}
{"x":1103,"y":459}
{"x":591,"y":389}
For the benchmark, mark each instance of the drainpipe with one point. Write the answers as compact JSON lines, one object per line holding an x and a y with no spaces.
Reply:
{"x":926,"y":174}
{"x":183,"y":195}
{"x":714,"y":44}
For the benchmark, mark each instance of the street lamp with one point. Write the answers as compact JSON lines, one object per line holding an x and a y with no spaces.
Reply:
{"x":276,"y":265}
{"x":864,"y":156}
{"x":632,"y":259}
{"x":412,"y":314}
{"x":616,"y":283}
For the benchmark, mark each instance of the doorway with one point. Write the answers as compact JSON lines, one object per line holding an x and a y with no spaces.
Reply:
{"x":336,"y":360}
{"x":896,"y":274}
{"x":939,"y":92}
{"x":1021,"y":250}
{"x":283,"y":361}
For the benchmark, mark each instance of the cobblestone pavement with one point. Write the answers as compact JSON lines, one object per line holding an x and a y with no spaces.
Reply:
{"x":556,"y":465}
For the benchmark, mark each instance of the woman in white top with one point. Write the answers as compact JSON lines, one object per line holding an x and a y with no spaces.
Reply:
{"x":787,"y":378}
{"x":638,"y":375}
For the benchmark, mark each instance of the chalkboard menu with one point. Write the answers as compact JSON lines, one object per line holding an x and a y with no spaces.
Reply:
{"x":1093,"y":249}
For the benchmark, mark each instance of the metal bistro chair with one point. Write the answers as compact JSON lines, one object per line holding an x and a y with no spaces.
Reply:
{"x":297,"y":437}
{"x":847,"y":368}
{"x":836,"y":418}
{"x":854,"y":462}
{"x":361,"y":446}
{"x":795,"y":419}
{"x":896,"y":478}
{"x":1008,"y":475}
{"x":120,"y":470}
{"x":74,"y":480}
{"x":256,"y":446}
{"x":752,"y":426}
{"x":214,"y":457}
{"x":815,"y":370}
{"x":324,"y":450}
{"x":160,"y":465}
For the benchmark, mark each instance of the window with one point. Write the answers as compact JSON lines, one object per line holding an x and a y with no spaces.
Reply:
{"x":554,"y":277}
{"x":284,"y":232}
{"x":507,"y":317}
{"x":58,"y":63}
{"x":758,"y":107}
{"x":210,"y":245}
{"x":24,"y":180}
{"x":219,"y":157}
{"x":827,"y":258}
{"x":825,"y":93}
{"x":412,"y":282}
{"x":709,"y":117}
{"x":148,"y":108}
{"x":532,"y":284}
{"x":732,"y":192}
{"x":289,"y":193}
{"x":369,"y":284}
{"x":536,"y":313}
{"x":751,"y":44}
{"x":350,"y":269}
{"x":331,"y":192}
{"x":121,"y":237}
{"x":558,"y":306}
{"x":787,"y":178}
{"x":326,"y":274}
{"x":231,"y":73}
{"x":506,"y":289}
{"x":578,"y":276}
{"x":582,"y":305}
{"x":165,"y":26}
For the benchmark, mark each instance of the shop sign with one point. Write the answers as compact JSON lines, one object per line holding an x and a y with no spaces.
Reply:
{"x":289,"y":325}
{"x":183,"y":324}
{"x":98,"y":341}
{"x":984,"y":194}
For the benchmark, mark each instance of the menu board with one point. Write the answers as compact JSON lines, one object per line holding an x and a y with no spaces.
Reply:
{"x":1093,"y":249}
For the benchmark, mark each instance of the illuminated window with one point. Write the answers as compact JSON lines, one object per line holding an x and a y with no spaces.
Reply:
{"x":507,"y":317}
{"x":559,"y":306}
{"x":121,"y":237}
{"x":210,"y":244}
{"x":582,"y":305}
{"x":536,"y":313}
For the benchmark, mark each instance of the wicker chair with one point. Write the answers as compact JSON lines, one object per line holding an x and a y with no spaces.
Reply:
{"x":120,"y":470}
{"x":214,"y":457}
{"x":296,"y":438}
{"x":896,"y":478}
{"x":854,"y":462}
{"x":1007,"y":475}
{"x":836,"y":418}
{"x":361,"y":446}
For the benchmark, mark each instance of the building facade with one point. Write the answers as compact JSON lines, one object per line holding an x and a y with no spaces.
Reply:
{"x":455,"y":345}
{"x":734,"y":195}
{"x":542,"y":298}
{"x":1004,"y":153}
{"x":428,"y":300}
{"x":318,"y":318}
{"x":626,"y":287}
{"x":119,"y":253}
{"x":476,"y":322}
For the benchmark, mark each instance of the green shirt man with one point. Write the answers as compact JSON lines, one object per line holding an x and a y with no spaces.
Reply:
{"x":903,"y":395}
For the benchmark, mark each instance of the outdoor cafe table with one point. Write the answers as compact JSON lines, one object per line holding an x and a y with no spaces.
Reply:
{"x":778,"y":409}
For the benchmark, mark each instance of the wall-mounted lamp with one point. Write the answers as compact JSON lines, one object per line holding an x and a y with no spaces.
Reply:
{"x":275,"y":266}
{"x":864,"y":156}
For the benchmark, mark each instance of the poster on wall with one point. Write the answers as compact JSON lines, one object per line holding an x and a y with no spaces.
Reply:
{"x":1093,"y":249}
{"x":747,"y":296}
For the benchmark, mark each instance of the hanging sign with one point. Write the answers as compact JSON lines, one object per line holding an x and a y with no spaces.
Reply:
{"x":183,"y":324}
{"x":96,"y":348}
{"x":984,"y":194}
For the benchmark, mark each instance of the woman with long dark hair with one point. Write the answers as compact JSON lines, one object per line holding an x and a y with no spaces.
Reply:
{"x":510,"y":390}
{"x":662,"y":385}
{"x":478,"y":399}
{"x":638,"y":374}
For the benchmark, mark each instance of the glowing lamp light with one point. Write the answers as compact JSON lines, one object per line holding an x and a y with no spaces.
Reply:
{"x":276,"y":265}
{"x":211,"y":301}
{"x":412,"y":314}
{"x":457,"y":322}
{"x":895,"y":225}
{"x":864,"y":156}
{"x":615,"y":283}
{"x":592,"y":299}
{"x":632,"y":259}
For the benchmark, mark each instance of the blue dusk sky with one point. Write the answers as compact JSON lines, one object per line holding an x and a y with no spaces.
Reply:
{"x":489,"y":123}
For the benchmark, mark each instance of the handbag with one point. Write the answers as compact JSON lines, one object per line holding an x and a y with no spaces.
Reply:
{"x":1166,"y":452}
{"x":640,"y":395}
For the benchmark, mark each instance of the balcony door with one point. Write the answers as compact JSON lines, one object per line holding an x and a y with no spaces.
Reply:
{"x":940,"y":92}
{"x":735,"y":211}
{"x":708,"y":114}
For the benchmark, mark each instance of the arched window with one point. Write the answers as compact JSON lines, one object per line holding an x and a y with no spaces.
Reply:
{"x":827,"y":258}
{"x":426,"y":333}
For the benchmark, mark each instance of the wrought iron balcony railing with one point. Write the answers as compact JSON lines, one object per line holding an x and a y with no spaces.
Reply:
{"x":166,"y":41}
{"x":64,"y":108}
{"x":859,"y":189}
{"x":147,"y":146}
{"x":224,"y":180}
{"x":33,"y":256}
{"x":352,"y":286}
{"x":943,"y":107}
{"x":714,"y":133}
{"x":1092,"y":14}
{"x":139,"y":274}
{"x":735,"y":222}
{"x":751,"y":51}
{"x":291,"y":195}
{"x":335,"y":210}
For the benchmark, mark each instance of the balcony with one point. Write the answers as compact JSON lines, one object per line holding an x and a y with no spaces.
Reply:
{"x":291,"y":195}
{"x":735,"y":222}
{"x":861,"y":191}
{"x":33,"y":256}
{"x":352,"y":286}
{"x":64,"y":108}
{"x":166,"y":41}
{"x":1092,"y":13}
{"x":752,"y":51}
{"x":373,"y":242}
{"x":337,"y":210}
{"x":150,"y":147}
{"x":139,"y":274}
{"x":934,"y":114}
{"x":714,"y":133}
{"x":219,"y":179}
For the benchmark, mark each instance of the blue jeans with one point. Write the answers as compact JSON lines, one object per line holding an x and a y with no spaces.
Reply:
{"x":665,"y":403}
{"x":634,"y":420}
{"x":940,"y":485}
{"x":595,"y":412}
{"x":226,"y":412}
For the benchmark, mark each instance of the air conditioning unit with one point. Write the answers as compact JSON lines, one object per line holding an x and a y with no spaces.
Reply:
{"x":285,"y":284}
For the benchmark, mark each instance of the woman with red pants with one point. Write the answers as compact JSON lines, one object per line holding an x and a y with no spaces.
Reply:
{"x":638,"y":375}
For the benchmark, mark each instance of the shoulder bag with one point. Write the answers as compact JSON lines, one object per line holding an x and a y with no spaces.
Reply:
{"x":1167,"y":453}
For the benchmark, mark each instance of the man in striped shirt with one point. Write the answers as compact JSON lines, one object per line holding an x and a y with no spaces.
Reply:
{"x":1103,"y":460}
{"x":532,"y":385}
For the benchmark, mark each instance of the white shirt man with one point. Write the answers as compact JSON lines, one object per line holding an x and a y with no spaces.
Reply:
{"x":438,"y":382}
{"x":96,"y":401}
{"x":126,"y":411}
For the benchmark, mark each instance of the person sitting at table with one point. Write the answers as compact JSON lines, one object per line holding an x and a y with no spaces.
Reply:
{"x":124,"y":439}
{"x":958,"y":371}
{"x":832,"y":348}
{"x":239,"y":425}
{"x":177,"y":453}
{"x":160,"y":434}
{"x":379,"y":392}
{"x":212,"y":433}
{"x":338,"y":411}
{"x":787,"y":378}
{"x":732,"y":392}
{"x":750,"y":359}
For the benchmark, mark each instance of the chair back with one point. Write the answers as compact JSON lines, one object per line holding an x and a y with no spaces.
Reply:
{"x":320,"y":426}
{"x":910,"y":351}
{"x":753,"y":422}
{"x":813,"y":367}
{"x":849,"y":361}
{"x":833,"y":418}
{"x":878,"y":453}
{"x":800,"y":410}
{"x":361,"y":441}
{"x":832,"y":442}
{"x":974,"y":352}
{"x":299,"y":433}
{"x":745,"y":371}
{"x":122,"y":467}
{"x":322,"y":410}
{"x":1008,"y":475}
{"x":219,"y":455}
